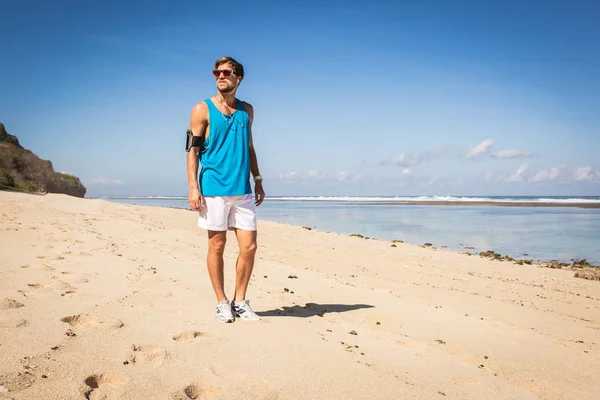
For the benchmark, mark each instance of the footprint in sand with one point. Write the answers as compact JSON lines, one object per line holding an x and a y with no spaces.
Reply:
{"x":70,"y":293}
{"x":87,"y":320}
{"x":148,"y":354}
{"x":250,"y":388}
{"x":189,"y":336}
{"x":35,"y":289}
{"x":197,"y":391}
{"x":70,"y":278}
{"x":104,"y":386}
{"x":17,"y":381}
{"x":7,"y":303}
{"x":6,"y":322}
{"x":60,"y":285}
{"x":65,"y":285}
{"x":225,"y":386}
{"x":253,"y":391}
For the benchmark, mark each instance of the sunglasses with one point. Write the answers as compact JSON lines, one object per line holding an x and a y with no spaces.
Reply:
{"x":226,"y":72}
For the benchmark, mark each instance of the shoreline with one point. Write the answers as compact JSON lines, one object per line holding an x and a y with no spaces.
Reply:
{"x":550,"y":262}
{"x":459,"y":249}
{"x":452,"y":203}
{"x":575,"y":263}
{"x":391,"y":201}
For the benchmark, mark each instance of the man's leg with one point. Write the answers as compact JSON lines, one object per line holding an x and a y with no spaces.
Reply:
{"x":216,"y":247}
{"x":243,"y":221}
{"x":245,"y":262}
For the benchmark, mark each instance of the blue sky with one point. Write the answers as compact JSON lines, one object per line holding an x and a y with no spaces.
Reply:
{"x":351,"y":98}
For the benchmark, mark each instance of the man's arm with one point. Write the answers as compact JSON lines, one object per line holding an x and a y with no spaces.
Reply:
{"x":259,"y":192}
{"x":198,"y":124}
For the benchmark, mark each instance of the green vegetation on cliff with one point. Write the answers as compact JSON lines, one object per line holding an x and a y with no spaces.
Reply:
{"x":22,"y":170}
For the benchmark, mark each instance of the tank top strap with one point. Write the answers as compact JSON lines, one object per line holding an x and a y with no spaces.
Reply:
{"x":210,"y":104}
{"x":240,"y":105}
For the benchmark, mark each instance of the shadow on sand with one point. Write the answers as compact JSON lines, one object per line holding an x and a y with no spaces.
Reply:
{"x":311,"y":310}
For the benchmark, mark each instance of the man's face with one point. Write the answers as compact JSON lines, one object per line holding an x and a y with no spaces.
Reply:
{"x":226,"y":84}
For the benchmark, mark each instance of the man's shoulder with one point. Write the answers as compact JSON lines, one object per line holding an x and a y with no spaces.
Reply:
{"x":201,"y":105}
{"x":247,"y":106}
{"x":199,"y":113}
{"x":200,"y":108}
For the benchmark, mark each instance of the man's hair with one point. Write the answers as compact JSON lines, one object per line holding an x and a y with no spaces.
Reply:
{"x":237,"y":67}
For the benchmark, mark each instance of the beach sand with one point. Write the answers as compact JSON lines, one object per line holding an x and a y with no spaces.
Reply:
{"x":111,"y":301}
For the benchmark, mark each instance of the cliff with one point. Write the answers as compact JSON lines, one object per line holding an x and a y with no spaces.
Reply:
{"x":22,"y":170}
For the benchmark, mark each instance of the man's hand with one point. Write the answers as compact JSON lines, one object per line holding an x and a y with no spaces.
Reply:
{"x":195,"y":199}
{"x":259,"y":193}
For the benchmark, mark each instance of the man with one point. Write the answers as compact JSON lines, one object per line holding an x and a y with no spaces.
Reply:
{"x":222,"y":193}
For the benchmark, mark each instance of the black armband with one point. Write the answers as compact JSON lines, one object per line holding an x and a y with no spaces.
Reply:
{"x":192,"y":141}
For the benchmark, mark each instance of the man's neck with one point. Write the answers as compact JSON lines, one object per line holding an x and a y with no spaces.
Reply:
{"x":227,"y":98}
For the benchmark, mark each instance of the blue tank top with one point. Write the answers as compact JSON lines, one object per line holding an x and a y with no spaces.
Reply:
{"x":225,"y":157}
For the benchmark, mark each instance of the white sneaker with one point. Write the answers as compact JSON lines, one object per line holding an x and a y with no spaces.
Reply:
{"x":244,"y":311}
{"x":224,"y":313}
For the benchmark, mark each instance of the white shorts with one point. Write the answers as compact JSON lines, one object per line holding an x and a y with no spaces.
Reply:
{"x":221,"y":213}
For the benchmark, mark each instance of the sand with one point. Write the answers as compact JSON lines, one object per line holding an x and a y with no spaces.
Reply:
{"x":110,"y":301}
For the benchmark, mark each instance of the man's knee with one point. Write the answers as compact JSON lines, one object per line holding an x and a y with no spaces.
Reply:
{"x":216,"y":244}
{"x":248,"y":250}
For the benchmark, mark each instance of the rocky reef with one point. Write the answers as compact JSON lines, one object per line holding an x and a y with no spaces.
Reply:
{"x":22,"y":170}
{"x":583,"y":268}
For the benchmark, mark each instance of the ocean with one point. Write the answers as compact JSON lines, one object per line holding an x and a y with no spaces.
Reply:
{"x":555,"y":231}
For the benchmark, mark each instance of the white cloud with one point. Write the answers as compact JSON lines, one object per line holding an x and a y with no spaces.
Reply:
{"x":479,"y":149}
{"x":406,"y":172}
{"x":346,"y":176}
{"x":407,"y":159}
{"x":562,"y":174}
{"x":585,"y":174}
{"x":554,"y":173}
{"x":320,"y":176}
{"x":412,"y":159}
{"x":540,"y":176}
{"x":544,"y":175}
{"x":511,"y":153}
{"x":518,"y":175}
{"x":104,"y":181}
{"x":290,"y":176}
{"x":488,"y":176}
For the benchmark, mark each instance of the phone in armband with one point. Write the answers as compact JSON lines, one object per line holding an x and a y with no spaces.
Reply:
{"x":193,"y":141}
